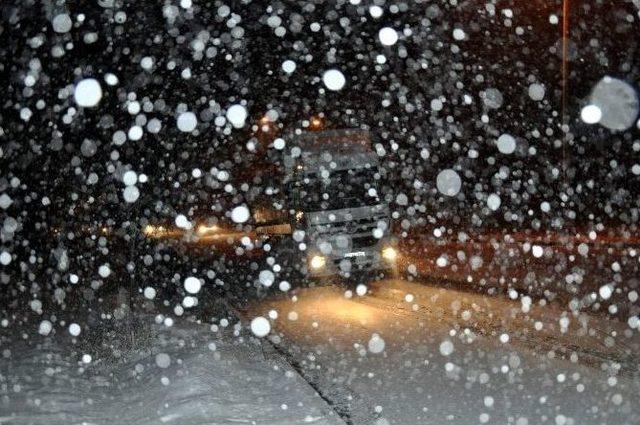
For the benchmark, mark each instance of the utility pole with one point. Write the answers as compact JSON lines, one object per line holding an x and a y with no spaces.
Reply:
{"x":566,"y":7}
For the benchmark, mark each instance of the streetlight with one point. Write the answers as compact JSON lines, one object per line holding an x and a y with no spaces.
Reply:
{"x":315,"y":123}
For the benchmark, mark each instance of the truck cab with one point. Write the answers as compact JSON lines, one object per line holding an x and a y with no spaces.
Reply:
{"x":339,"y":219}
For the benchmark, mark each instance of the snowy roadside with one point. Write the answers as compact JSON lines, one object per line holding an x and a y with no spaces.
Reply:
{"x":580,"y":338}
{"x":187,"y":373}
{"x":383,"y":362}
{"x":591,"y":278}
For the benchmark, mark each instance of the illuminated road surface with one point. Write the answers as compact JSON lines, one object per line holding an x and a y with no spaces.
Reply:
{"x":444,"y":356}
{"x":410,"y":353}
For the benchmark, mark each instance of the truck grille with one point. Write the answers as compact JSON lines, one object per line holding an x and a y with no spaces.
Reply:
{"x":363,"y":241}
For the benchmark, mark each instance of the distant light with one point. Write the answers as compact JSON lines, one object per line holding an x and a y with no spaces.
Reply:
{"x":591,"y":114}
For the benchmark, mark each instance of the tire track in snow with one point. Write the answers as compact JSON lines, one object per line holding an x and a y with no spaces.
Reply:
{"x":337,"y":399}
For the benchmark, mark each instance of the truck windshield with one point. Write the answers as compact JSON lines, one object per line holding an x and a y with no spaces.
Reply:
{"x":350,"y":188}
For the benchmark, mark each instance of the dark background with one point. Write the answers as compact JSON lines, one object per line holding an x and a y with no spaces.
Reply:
{"x":42,"y":156}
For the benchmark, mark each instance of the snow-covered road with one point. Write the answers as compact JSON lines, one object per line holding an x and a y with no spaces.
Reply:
{"x":185,"y":374}
{"x":408,"y":353}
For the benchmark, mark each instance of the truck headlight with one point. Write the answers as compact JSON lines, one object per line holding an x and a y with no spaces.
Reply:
{"x":317,"y":262}
{"x":389,"y":253}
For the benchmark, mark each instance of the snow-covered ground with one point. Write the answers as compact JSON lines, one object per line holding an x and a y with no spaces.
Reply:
{"x":408,"y":353}
{"x":188,"y":373}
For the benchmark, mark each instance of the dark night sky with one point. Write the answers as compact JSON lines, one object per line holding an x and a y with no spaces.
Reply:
{"x":426,"y":63}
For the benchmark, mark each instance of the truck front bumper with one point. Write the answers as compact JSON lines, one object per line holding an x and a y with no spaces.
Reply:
{"x":382,"y":257}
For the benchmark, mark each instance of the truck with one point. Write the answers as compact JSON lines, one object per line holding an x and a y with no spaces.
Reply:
{"x":339,"y":220}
